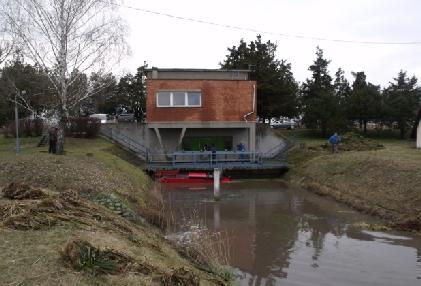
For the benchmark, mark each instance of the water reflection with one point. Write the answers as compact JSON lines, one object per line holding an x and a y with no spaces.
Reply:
{"x":281,"y":236}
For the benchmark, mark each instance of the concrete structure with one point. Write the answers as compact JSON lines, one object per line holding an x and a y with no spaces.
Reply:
{"x":419,"y":135}
{"x":216,"y":184}
{"x":189,"y":109}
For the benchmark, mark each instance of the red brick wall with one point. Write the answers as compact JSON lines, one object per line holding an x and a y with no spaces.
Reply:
{"x":221,"y":101}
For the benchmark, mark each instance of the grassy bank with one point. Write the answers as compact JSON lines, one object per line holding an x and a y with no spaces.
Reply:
{"x":385,"y":182}
{"x":77,"y":220}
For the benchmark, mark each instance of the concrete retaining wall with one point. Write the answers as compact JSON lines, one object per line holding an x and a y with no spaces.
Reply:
{"x":136,"y":131}
{"x":267,"y":140}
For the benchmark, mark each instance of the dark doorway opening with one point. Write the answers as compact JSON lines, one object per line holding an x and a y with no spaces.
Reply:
{"x":221,"y":143}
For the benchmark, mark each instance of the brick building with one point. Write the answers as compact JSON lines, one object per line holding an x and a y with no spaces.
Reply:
{"x":188,"y":109}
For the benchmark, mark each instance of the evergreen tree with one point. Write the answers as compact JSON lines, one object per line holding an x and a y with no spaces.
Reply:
{"x":103,"y":97}
{"x":276,"y":86}
{"x":131,"y":94}
{"x":18,"y":76}
{"x":342,"y":91}
{"x":365,"y":101}
{"x":402,"y":99}
{"x":341,"y":86}
{"x":320,"y":103}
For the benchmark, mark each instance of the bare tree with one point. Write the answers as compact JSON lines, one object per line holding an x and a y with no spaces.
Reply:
{"x":6,"y":42}
{"x":67,"y":37}
{"x":6,"y":48}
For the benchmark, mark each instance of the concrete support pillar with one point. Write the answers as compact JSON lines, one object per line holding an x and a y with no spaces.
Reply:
{"x":252,"y":138}
{"x":216,"y":184}
{"x":180,"y":140}
{"x":158,"y":135}
{"x":419,"y":135}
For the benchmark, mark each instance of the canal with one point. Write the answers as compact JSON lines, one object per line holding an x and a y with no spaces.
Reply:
{"x":284,"y":236}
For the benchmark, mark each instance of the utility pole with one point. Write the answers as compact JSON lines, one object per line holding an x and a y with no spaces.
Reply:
{"x":17,"y":119}
{"x":17,"y":124}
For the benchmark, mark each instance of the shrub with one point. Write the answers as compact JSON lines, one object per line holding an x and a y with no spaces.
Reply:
{"x":83,"y":127}
{"x":38,"y":126}
{"x":80,"y":127}
{"x":27,"y":128}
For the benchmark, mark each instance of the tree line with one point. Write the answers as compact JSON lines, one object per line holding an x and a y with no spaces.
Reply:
{"x":324,"y":102}
{"x":112,"y":96}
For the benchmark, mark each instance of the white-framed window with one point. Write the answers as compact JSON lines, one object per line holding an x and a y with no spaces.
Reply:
{"x":179,"y":99}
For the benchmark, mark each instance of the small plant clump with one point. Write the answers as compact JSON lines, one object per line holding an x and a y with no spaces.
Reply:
{"x":82,"y":256}
{"x":352,"y":141}
{"x":372,"y":226}
{"x":180,"y":277}
{"x":114,"y":204}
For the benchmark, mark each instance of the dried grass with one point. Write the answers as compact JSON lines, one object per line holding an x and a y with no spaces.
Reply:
{"x":16,"y":191}
{"x":207,"y":250}
{"x":83,"y":256}
{"x":63,"y":207}
{"x":155,"y":210}
{"x":33,"y":229}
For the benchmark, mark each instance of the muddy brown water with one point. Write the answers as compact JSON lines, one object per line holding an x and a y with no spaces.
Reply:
{"x":284,"y":236}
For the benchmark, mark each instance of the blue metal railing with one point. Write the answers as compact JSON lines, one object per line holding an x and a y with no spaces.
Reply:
{"x":206,"y":157}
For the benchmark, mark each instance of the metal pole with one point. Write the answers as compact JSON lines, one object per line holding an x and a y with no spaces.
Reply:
{"x":216,"y":184}
{"x":17,"y":125}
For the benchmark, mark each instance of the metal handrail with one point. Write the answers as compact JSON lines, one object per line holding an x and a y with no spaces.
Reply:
{"x":125,"y":140}
{"x":205,"y":157}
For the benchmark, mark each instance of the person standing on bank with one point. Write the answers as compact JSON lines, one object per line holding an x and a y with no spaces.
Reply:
{"x":52,"y":134}
{"x":334,"y":141}
{"x":213,"y":149}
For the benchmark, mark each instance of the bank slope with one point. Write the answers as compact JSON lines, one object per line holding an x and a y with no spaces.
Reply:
{"x":385,"y":183}
{"x":74,"y":220}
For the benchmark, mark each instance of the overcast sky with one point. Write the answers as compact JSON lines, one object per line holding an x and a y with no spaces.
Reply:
{"x":172,"y":43}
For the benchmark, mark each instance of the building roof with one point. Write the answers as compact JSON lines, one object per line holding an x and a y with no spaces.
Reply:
{"x":195,"y":70}
{"x":197,"y":74}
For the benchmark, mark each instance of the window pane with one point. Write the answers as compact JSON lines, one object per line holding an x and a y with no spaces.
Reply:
{"x":164,"y":99}
{"x":179,"y":98}
{"x":194,"y":98}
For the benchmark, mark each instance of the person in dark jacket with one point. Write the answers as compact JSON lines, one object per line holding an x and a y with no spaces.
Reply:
{"x":213,"y":149}
{"x":334,"y":141}
{"x":52,"y":134}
